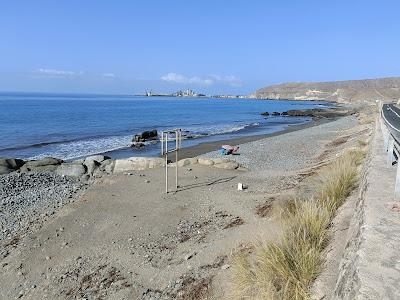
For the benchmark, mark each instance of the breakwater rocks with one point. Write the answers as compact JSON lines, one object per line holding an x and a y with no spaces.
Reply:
{"x":316,"y":113}
{"x":92,"y":166}
{"x":219,"y":163}
{"x":98,"y":165}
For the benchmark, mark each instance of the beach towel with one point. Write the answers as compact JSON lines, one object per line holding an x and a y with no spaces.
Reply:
{"x":228,"y":149}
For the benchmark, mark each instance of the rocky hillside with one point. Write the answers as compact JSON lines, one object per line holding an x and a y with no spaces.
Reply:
{"x":338,"y":91}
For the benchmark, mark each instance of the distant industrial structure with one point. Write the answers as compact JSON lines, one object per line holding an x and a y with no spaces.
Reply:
{"x":190,"y":93}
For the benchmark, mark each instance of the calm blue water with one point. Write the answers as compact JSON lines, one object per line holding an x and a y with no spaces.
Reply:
{"x":71,"y":126}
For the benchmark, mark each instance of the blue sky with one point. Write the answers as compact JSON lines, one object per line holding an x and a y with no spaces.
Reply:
{"x":125,"y":47}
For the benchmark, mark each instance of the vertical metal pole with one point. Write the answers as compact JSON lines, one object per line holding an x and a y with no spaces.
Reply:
{"x":390,"y":157}
{"x":385,"y":139}
{"x":176,"y":157}
{"x":162,"y":142}
{"x":397,"y":184}
{"x":166,"y":163}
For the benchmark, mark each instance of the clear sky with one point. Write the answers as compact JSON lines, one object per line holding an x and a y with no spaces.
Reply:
{"x":215,"y":46}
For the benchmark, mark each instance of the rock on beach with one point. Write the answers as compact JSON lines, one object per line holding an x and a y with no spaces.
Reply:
{"x":96,"y":158}
{"x":230,"y":165}
{"x":138,"y":163}
{"x":8,"y":165}
{"x":205,"y":161}
{"x":40,"y":165}
{"x":71,"y":169}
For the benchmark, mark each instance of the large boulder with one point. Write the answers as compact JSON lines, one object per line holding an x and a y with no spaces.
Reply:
{"x":145,"y":135}
{"x":230,"y":165}
{"x":5,"y":170}
{"x":43,"y":162}
{"x":8,"y":165}
{"x":97,"y":158}
{"x":220,"y":160}
{"x":71,"y":169}
{"x":79,"y":161}
{"x":205,"y":161}
{"x":48,"y":168}
{"x":3,"y":162}
{"x":184,"y":162}
{"x":13,"y":163}
{"x":138,"y":163}
{"x":91,"y":166}
{"x":193,"y":160}
{"x":108,"y":167}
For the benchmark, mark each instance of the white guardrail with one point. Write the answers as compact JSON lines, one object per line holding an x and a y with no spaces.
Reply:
{"x":392,"y":147}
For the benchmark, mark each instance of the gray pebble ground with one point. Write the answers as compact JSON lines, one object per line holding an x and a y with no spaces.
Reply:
{"x":27,"y":197}
{"x":277,"y":152}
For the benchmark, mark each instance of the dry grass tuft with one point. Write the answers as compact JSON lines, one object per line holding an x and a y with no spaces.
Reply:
{"x":339,"y":141}
{"x":264,"y":210}
{"x":286,"y":269}
{"x":362,"y":143}
{"x":244,"y":278}
{"x":336,"y":184}
{"x":366,"y":119}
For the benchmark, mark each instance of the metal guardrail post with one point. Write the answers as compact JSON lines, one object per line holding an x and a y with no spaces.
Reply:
{"x":397,"y":184}
{"x":385,"y":133}
{"x":390,"y":156}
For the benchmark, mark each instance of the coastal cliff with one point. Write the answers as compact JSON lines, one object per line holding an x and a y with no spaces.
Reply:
{"x":336,"y":91}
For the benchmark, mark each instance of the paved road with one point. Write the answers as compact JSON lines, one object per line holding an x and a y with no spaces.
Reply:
{"x":391,"y":116}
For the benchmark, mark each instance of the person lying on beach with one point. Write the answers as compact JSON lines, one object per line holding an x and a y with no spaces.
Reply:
{"x":228,"y":149}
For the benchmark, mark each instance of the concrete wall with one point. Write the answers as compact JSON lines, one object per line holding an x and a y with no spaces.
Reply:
{"x":370,"y":267}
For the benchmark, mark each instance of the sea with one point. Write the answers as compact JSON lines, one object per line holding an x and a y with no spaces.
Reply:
{"x":36,"y":125}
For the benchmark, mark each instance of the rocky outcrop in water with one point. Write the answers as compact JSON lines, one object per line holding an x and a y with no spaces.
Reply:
{"x":145,"y":136}
{"x":315,"y":113}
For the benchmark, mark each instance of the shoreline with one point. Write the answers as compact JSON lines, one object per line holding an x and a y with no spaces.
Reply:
{"x":206,"y":147}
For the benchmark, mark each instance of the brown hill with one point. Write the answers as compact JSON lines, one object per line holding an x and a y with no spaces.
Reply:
{"x":338,"y":91}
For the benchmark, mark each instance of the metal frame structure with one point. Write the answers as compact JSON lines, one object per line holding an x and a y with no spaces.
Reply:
{"x":177,"y":136}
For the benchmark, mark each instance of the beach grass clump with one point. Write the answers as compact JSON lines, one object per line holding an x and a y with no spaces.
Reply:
{"x":286,"y":269}
{"x":362,"y":143}
{"x":337,"y":181}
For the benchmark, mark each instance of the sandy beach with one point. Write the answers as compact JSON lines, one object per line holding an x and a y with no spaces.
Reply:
{"x":206,"y":147}
{"x":124,"y":238}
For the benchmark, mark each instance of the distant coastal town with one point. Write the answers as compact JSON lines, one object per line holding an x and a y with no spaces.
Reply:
{"x":190,"y":93}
